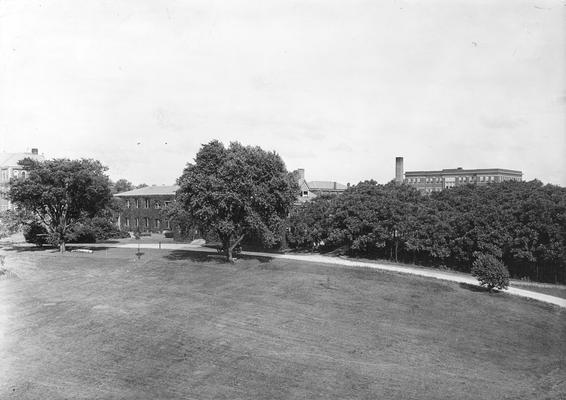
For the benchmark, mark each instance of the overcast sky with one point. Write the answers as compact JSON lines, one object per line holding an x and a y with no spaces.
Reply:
{"x":339,"y":88}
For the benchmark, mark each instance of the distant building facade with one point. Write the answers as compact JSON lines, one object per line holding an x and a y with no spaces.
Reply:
{"x":312,"y":189}
{"x":143,"y":208}
{"x":435,"y":181}
{"x":9,"y":168}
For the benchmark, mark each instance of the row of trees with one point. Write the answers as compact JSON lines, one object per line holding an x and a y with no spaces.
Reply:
{"x":239,"y":193}
{"x":522,"y":224}
{"x":230,"y":193}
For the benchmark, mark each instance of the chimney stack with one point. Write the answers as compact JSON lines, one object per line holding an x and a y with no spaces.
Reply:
{"x":34,"y":151}
{"x":301,"y":172}
{"x":399,"y":170}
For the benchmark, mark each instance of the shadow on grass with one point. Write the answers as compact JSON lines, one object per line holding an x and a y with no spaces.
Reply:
{"x":51,"y":249}
{"x":477,"y":288}
{"x":198,"y":256}
{"x":20,"y":249}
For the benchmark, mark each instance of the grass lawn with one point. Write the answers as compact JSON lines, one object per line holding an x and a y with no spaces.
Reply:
{"x":184,"y":325}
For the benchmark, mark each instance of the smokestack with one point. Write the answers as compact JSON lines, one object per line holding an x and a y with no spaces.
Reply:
{"x":398,"y":169}
{"x":301,"y":172}
{"x":34,"y":151}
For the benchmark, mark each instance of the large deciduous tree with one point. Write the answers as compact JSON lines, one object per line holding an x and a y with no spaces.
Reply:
{"x":122,"y":185}
{"x":237,"y":191}
{"x":61,"y":193}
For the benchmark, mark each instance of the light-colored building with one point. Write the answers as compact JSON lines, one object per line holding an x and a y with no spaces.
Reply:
{"x":435,"y":181}
{"x":312,"y":189}
{"x":9,"y":168}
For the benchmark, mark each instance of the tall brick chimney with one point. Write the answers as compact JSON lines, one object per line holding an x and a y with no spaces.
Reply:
{"x":301,"y":172}
{"x":399,"y":170}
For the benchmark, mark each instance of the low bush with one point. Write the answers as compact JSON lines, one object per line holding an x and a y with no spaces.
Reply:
{"x":490,"y":272}
{"x":36,"y":233}
{"x":96,"y":229}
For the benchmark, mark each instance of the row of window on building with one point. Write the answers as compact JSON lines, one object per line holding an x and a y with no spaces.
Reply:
{"x":5,"y":175}
{"x":460,"y":179}
{"x":137,"y":203}
{"x":146,"y":223}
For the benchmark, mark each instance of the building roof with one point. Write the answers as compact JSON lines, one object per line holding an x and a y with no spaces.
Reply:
{"x":466,"y":171}
{"x":11,"y":159}
{"x":326,"y":185}
{"x":162,"y":190}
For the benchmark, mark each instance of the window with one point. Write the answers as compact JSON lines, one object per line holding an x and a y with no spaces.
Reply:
{"x":127,"y":222}
{"x":146,"y":221}
{"x":305,"y":193}
{"x":137,"y":222}
{"x":158,"y":223}
{"x":167,"y":203}
{"x":168,"y":224}
{"x":146,"y":203}
{"x":157,"y":204}
{"x":137,"y":203}
{"x":128,"y":204}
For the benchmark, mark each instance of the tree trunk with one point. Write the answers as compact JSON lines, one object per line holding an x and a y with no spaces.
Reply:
{"x":230,"y":249}
{"x":62,"y":247}
{"x":396,"y":249}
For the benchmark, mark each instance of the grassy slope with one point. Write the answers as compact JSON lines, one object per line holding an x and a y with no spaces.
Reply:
{"x":181,"y":325}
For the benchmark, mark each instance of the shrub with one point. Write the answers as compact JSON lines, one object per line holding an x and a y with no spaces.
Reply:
{"x":9,"y":223}
{"x":36,"y":233}
{"x":82,"y":233}
{"x":490,"y":272}
{"x":97,"y":228}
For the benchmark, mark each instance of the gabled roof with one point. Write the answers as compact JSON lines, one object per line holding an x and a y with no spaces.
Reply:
{"x":11,"y":159}
{"x":326,"y":185}
{"x":162,"y":190}
{"x":303,"y":185}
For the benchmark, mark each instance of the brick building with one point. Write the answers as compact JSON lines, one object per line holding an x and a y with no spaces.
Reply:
{"x":435,"y":181}
{"x":9,"y":168}
{"x":143,"y":208}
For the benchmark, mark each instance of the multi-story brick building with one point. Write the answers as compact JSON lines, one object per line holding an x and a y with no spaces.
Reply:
{"x":143,"y":208}
{"x":9,"y":168}
{"x":435,"y":181}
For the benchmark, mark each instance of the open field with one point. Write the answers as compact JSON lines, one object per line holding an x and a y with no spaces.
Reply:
{"x":186,"y":325}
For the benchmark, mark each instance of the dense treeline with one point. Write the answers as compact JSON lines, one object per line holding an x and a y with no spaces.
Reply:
{"x":523,"y":224}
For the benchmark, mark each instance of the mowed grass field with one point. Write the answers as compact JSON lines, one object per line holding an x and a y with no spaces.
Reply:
{"x":184,"y":325}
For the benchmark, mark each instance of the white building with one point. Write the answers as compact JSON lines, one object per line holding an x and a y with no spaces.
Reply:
{"x":9,"y":169}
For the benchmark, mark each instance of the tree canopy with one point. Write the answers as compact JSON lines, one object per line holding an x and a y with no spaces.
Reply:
{"x":61,"y":192}
{"x":122,"y":185}
{"x":521,"y":224}
{"x":238,"y":191}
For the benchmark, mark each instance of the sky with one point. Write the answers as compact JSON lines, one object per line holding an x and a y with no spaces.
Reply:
{"x":339,"y":88}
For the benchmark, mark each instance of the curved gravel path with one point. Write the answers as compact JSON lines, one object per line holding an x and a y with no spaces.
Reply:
{"x":445,"y":276}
